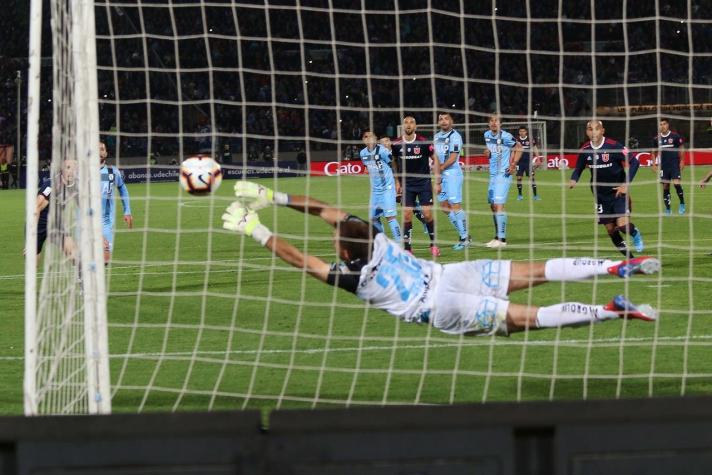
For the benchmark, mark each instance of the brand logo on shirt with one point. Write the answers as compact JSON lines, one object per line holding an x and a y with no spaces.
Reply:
{"x":111,"y":177}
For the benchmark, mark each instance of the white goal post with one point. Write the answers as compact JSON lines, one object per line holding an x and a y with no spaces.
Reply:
{"x":66,"y":342}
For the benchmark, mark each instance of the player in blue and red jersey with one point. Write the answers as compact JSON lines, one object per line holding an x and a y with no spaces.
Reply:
{"x":608,"y":161}
{"x":527,"y":162}
{"x":412,"y":152}
{"x":668,"y":157}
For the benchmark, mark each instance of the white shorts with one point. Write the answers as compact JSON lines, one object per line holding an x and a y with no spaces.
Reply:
{"x":471,"y":298}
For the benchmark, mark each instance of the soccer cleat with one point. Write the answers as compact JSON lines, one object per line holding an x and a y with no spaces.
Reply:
{"x":638,"y":265}
{"x":435,"y":251}
{"x":638,"y":242}
{"x":520,"y":197}
{"x":681,"y":209}
{"x":627,"y":309}
{"x":493,"y":243}
{"x":462,"y":244}
{"x":537,"y":198}
{"x":668,"y":212}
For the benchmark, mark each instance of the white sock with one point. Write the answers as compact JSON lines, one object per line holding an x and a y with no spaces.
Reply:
{"x":579,"y":268}
{"x":571,"y":313}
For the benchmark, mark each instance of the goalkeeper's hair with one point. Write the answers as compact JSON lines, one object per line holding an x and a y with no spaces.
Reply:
{"x":356,"y":237}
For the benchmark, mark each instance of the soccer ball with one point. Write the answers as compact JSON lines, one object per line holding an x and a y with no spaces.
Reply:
{"x":200,"y":175}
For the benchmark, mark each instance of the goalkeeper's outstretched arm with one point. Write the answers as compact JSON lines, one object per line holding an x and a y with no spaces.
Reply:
{"x":245,"y":221}
{"x":256,"y":197}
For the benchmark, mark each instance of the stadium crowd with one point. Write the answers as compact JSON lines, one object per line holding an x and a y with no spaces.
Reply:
{"x":248,"y":100}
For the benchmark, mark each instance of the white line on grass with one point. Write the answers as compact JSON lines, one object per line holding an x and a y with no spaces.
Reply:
{"x":473,"y":343}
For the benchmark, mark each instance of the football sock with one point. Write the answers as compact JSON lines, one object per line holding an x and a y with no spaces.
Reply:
{"x":501,"y":222}
{"x":680,"y":194}
{"x":407,"y":234}
{"x":620,"y":244}
{"x":629,"y":228}
{"x":571,"y":313}
{"x":376,"y":222}
{"x":533,"y":187}
{"x":666,"y":198}
{"x":453,"y":219}
{"x":494,"y":220}
{"x":461,"y":224}
{"x":566,"y":269}
{"x":395,"y":229}
{"x":430,"y":225}
{"x":519,"y":188}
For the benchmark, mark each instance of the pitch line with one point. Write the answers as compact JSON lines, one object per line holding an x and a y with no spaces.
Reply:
{"x":475,"y":343}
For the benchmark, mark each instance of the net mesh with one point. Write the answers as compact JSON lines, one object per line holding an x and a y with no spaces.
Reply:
{"x":202,"y":319}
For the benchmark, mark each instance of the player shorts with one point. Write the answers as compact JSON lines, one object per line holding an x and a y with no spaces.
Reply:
{"x":498,"y":189}
{"x":471,"y":298}
{"x":670,"y":172}
{"x":451,"y":188}
{"x":418,"y":193}
{"x":610,"y":208}
{"x":524,"y":167}
{"x":383,"y":203}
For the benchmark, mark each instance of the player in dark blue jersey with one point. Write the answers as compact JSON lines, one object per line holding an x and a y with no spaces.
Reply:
{"x":44,"y":194}
{"x":608,"y":161}
{"x":412,"y":153}
{"x":668,"y":157}
{"x":527,"y":162}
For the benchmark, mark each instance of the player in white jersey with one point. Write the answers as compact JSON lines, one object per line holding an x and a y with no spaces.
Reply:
{"x":468,"y":297}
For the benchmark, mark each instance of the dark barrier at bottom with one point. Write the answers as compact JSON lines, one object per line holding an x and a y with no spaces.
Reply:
{"x":652,"y":436}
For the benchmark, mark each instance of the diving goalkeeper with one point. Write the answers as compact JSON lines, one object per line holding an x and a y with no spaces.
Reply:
{"x":468,"y":297}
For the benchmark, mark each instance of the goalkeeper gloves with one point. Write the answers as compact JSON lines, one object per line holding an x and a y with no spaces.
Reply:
{"x":256,"y":197}
{"x":245,"y":221}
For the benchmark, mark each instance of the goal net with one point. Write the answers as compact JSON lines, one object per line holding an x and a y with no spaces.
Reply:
{"x":280,"y":92}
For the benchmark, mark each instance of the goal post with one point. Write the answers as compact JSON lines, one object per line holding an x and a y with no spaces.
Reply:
{"x":66,"y":341}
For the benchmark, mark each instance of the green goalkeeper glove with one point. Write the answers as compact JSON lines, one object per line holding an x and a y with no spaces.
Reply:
{"x":256,"y":196}
{"x":245,"y":221}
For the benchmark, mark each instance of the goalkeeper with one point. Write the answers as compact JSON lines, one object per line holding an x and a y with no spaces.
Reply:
{"x":462,"y":298}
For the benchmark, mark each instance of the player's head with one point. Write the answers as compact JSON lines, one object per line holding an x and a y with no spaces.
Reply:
{"x":103,"y":153}
{"x":369,"y":138}
{"x":353,"y":240}
{"x":523,"y":132}
{"x":69,"y":171}
{"x":386,"y":142}
{"x":409,"y":125}
{"x":664,"y":125}
{"x":494,"y":123}
{"x":595,"y":130}
{"x":445,"y":121}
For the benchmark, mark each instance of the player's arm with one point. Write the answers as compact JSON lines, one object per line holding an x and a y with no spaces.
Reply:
{"x":394,"y":168}
{"x":243,"y":221}
{"x":257,"y":197}
{"x":580,"y":167}
{"x":40,"y":204}
{"x":435,"y":169}
{"x":125,"y":202}
{"x":681,"y":151}
{"x":631,"y":165}
{"x":654,"y":155}
{"x":456,"y":148}
{"x":535,"y":156}
{"x":516,"y":156}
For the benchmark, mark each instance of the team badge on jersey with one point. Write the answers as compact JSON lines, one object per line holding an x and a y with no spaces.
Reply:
{"x":605,"y":157}
{"x":416,"y":150}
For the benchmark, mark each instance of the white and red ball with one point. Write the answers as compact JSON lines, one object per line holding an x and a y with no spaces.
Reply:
{"x":200,"y":175}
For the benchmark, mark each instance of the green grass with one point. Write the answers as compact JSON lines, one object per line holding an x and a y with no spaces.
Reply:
{"x":238,"y":329}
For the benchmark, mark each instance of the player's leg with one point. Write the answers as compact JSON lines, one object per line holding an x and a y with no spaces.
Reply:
{"x":490,"y":201}
{"x":522,"y":169}
{"x":523,"y":317}
{"x":499,"y":198}
{"x":390,"y":211}
{"x":108,"y":232}
{"x":666,"y":190}
{"x":425,"y":198}
{"x":624,"y":225}
{"x":407,"y":225}
{"x":680,"y":192}
{"x":459,"y":218}
{"x":375,"y":212}
{"x":418,"y":212}
{"x":532,"y":179}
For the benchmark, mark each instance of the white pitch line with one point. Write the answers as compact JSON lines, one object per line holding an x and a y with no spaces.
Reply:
{"x":473,"y":343}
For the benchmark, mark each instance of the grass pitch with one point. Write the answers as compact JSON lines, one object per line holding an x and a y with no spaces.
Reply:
{"x":202,"y":319}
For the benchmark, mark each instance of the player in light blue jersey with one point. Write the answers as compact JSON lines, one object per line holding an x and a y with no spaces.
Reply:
{"x":111,"y":177}
{"x":502,"y":164}
{"x":448,"y":177}
{"x":378,"y":160}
